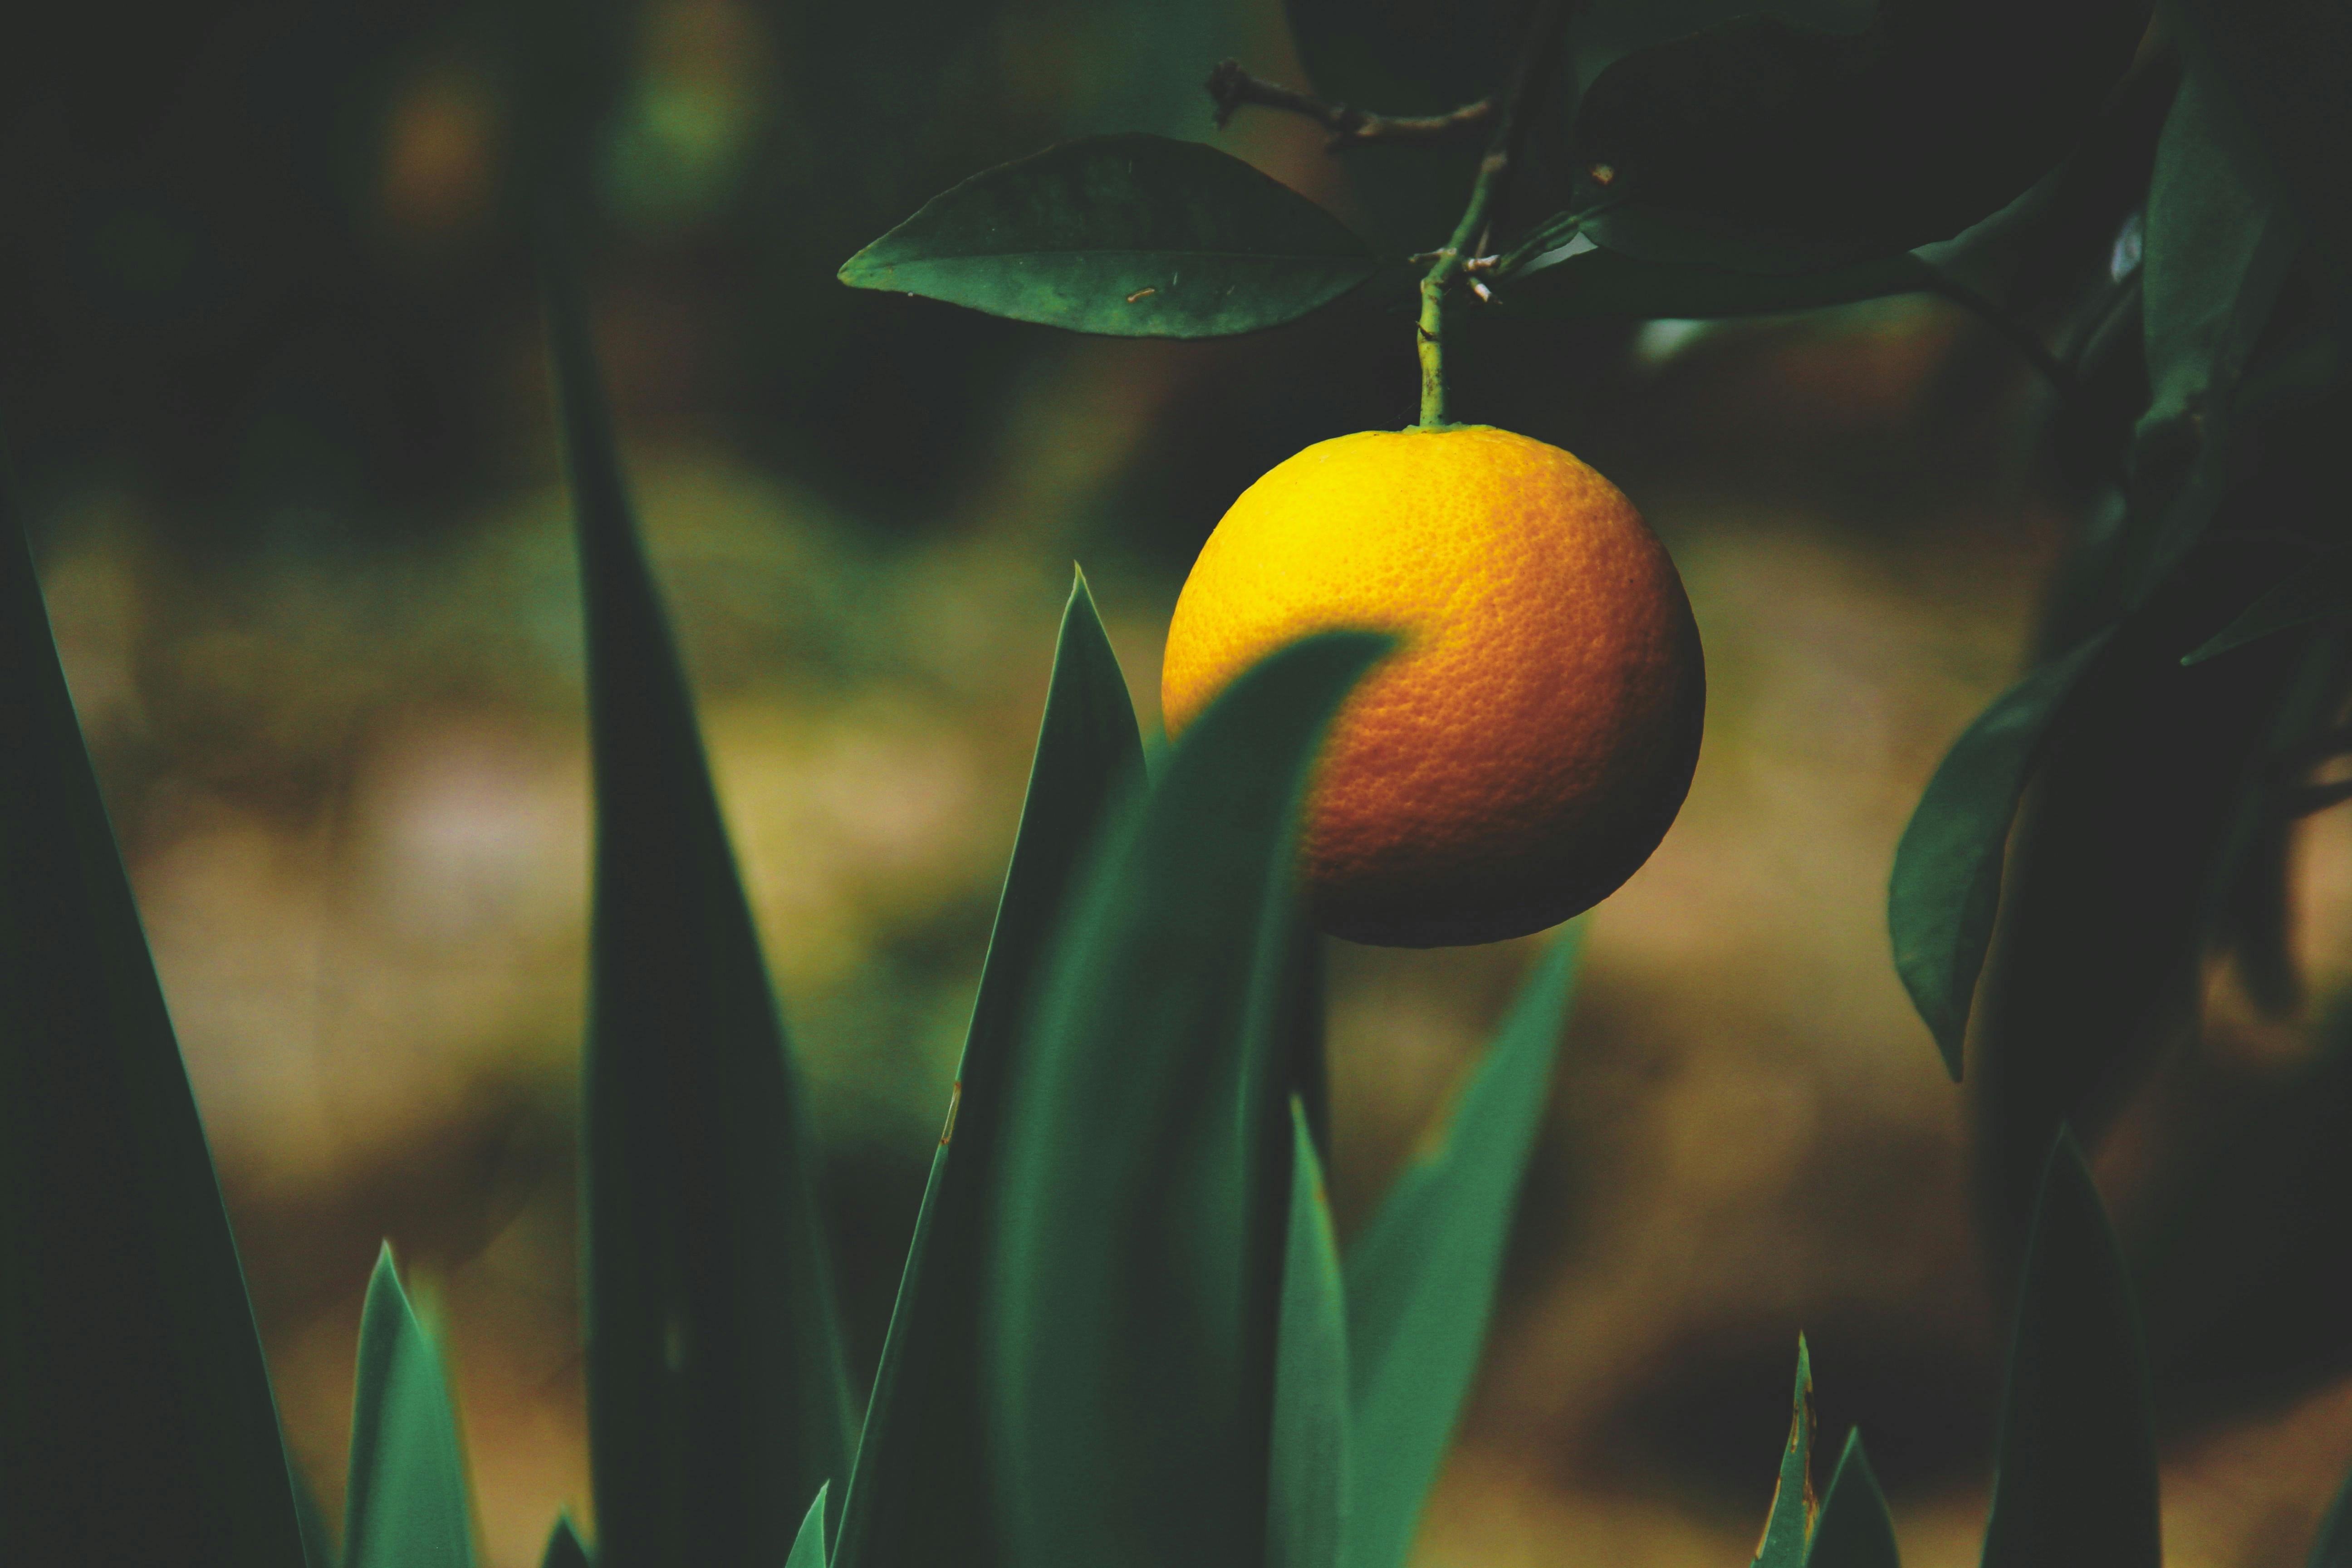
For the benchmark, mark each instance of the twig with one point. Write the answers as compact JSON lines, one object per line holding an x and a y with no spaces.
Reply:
{"x":1530,"y":70}
{"x":1233,"y":87}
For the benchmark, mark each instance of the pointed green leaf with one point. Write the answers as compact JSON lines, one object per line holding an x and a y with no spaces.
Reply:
{"x":2075,"y":1475}
{"x":563,"y":1548}
{"x":1853,"y":1530}
{"x":916,"y":1498}
{"x":1790,"y":1520}
{"x":2322,"y":589}
{"x":1307,"y":1510}
{"x":1139,"y":1210}
{"x":2283,"y":64}
{"x":136,"y":1424}
{"x":405,"y":1505}
{"x":1131,"y":235}
{"x":1421,"y":1276}
{"x":1600,"y":281}
{"x":1945,"y":890}
{"x":715,"y":1380}
{"x":808,"y":1546}
{"x":2334,"y":1547}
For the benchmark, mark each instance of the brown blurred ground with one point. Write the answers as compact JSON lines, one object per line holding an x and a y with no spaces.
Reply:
{"x":352,"y":788}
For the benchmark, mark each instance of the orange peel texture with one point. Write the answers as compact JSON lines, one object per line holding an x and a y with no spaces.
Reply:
{"x":1529,"y":744}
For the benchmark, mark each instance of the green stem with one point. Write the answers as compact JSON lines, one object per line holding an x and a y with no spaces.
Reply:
{"x":1439,"y":279}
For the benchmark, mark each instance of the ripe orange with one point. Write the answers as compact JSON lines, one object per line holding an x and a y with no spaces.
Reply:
{"x":1529,"y":745}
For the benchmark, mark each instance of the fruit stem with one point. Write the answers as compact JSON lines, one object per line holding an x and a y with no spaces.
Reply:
{"x":1439,"y":277}
{"x":1530,"y":73}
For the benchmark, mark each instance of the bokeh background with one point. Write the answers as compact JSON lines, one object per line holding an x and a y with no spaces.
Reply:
{"x":272,"y":379}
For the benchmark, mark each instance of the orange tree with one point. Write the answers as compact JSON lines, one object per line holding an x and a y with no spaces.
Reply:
{"x":1125,"y":1333}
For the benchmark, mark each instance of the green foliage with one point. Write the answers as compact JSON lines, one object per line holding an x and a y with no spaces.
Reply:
{"x":1138,"y":1215}
{"x":135,"y":1419}
{"x":405,"y":1505}
{"x":918,"y":1496}
{"x":1131,"y":235}
{"x":1853,"y":1530}
{"x":808,"y":1544}
{"x":1600,"y":281}
{"x":715,"y":1380}
{"x":2074,"y":1476}
{"x":563,"y":1548}
{"x":1421,"y":1276}
{"x":1790,"y":1520}
{"x":2282,"y":64}
{"x":1945,"y":890}
{"x":2321,"y":590}
{"x":1841,"y":145}
{"x":1307,"y":1489}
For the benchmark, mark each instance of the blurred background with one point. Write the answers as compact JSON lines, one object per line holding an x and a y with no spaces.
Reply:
{"x":272,"y":377}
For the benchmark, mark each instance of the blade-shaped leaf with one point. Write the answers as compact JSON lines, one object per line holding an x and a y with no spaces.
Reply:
{"x":2285,"y":63}
{"x":808,"y":1546}
{"x":715,"y":1382}
{"x":2074,"y":1474}
{"x":1421,"y":1276}
{"x":1307,"y":1508}
{"x":563,"y":1548}
{"x":405,"y":1505}
{"x":1853,"y":1530}
{"x":920,"y":1496}
{"x":1140,"y":1206}
{"x":1131,"y":235}
{"x":1945,"y":890}
{"x":136,"y":1424}
{"x":2320,"y":590}
{"x":2333,"y":1549}
{"x":1790,"y":1520}
{"x":1605,"y":282}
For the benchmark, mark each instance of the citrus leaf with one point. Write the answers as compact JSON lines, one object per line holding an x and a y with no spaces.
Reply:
{"x":808,"y":1546}
{"x":136,"y":1424}
{"x":1945,"y":890}
{"x":1131,"y":235}
{"x":405,"y":1504}
{"x":1421,"y":1276}
{"x":1138,"y":1209}
{"x":1790,"y":1520}
{"x":2322,"y":589}
{"x":1853,"y":1530}
{"x":1605,"y":282}
{"x":715,"y":1380}
{"x":916,"y":1498}
{"x":1308,"y":1506}
{"x":563,"y":1548}
{"x":2075,"y":1475}
{"x":2283,"y":64}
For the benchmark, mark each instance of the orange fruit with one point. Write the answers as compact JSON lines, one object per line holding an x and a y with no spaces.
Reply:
{"x":1532,"y":739}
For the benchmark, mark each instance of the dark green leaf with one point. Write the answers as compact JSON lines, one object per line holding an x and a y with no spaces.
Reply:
{"x":917,"y":1498}
{"x":1307,"y":1505}
{"x":1945,"y":890}
{"x":2075,"y":1473}
{"x":1421,"y":1276}
{"x":2334,"y":1547}
{"x":1853,"y":1530}
{"x":1792,"y":1519}
{"x":1139,"y":1211}
{"x":563,"y":1548}
{"x":1605,"y":282}
{"x":808,"y":1546}
{"x":715,"y":1382}
{"x":135,"y":1418}
{"x":2320,"y":590}
{"x":2283,"y":64}
{"x":1857,"y":144}
{"x":1132,"y":236}
{"x":405,"y":1504}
